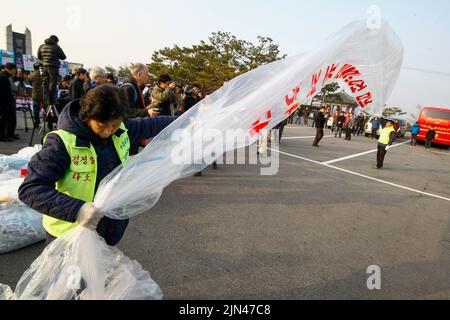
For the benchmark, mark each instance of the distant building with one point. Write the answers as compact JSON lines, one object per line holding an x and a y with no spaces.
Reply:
{"x":19,"y":43}
{"x":337,"y":102}
{"x":341,"y":102}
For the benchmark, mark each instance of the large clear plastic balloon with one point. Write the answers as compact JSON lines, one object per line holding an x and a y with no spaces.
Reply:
{"x":366,"y":61}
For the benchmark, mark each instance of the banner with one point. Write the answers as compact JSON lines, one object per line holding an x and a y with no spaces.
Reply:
{"x":19,"y":49}
{"x":28,"y":62}
{"x":63,"y":68}
{"x":7,"y":57}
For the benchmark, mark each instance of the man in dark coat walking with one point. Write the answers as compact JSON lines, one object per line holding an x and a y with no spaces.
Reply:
{"x":320,"y":124}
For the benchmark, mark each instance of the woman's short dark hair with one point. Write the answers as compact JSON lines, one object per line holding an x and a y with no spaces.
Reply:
{"x":103,"y":104}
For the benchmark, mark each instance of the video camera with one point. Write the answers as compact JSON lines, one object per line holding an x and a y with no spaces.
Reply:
{"x":38,"y":66}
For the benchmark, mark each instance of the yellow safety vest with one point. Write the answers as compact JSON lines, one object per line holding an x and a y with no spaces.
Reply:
{"x":80,"y":180}
{"x":385,"y":136}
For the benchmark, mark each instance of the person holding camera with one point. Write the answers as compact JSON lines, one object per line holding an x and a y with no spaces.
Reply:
{"x":37,"y":93}
{"x":190,"y":99}
{"x":64,"y":92}
{"x":50,"y":53}
{"x":163,"y":96}
{"x":111,"y":79}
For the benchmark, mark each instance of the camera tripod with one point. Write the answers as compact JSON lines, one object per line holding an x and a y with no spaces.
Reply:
{"x":27,"y":109}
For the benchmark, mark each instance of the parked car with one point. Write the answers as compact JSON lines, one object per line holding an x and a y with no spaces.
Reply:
{"x":368,"y":128}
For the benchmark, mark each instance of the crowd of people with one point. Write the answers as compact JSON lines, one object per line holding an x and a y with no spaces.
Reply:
{"x":164,"y":98}
{"x":50,"y":93}
{"x":339,"y":122}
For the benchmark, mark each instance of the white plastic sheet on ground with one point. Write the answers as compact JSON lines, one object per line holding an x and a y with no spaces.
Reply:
{"x":367,"y":60}
{"x":14,"y":163}
{"x":20,"y":226}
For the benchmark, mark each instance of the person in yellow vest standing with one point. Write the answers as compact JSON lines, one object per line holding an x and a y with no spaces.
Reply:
{"x":387,"y":137}
{"x":93,"y":138}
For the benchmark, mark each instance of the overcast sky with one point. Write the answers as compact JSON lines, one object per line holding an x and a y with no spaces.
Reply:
{"x":111,"y":32}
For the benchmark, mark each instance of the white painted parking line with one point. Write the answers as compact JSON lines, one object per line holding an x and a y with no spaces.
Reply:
{"x":362,"y":154}
{"x":365,"y":176}
{"x":298,"y":138}
{"x":441,"y":153}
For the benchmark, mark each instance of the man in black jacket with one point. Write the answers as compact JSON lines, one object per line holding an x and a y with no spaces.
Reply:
{"x":190,"y":100}
{"x":340,"y":125}
{"x":50,"y":53}
{"x":131,"y":91}
{"x":7,"y":105}
{"x":431,"y":135}
{"x":320,"y":124}
{"x":76,"y":90}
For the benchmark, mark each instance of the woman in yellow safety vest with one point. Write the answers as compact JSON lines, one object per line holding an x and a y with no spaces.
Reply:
{"x":93,"y":138}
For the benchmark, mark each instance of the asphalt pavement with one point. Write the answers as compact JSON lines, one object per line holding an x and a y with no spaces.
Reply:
{"x":310,"y":232}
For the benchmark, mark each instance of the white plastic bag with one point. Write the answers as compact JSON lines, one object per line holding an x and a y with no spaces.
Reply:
{"x":20,"y":226}
{"x":14,"y":163}
{"x":9,"y":187}
{"x":81,"y":266}
{"x":368,"y":61}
